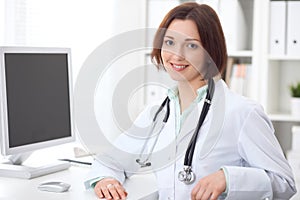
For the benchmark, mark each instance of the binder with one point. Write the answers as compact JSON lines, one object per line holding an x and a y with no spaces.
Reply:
{"x":293,"y":28}
{"x":277,"y":44}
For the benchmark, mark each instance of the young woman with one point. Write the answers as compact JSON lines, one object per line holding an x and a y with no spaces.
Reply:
{"x":235,"y":154}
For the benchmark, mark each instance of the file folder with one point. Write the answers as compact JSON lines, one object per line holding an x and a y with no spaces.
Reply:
{"x":293,"y":28}
{"x":277,"y":43}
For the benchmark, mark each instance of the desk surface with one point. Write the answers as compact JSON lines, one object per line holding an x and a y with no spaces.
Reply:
{"x":16,"y":189}
{"x":138,"y":186}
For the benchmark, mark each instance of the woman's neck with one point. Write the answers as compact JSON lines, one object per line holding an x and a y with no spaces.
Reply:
{"x":188,"y":93}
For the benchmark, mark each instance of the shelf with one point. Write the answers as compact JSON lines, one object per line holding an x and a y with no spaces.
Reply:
{"x":284,"y":58}
{"x":283,"y":118}
{"x":243,"y":53}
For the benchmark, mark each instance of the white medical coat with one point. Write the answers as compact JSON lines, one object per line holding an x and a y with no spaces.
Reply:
{"x":236,"y":136}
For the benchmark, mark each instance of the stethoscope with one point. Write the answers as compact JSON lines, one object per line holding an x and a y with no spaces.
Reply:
{"x":186,"y":175}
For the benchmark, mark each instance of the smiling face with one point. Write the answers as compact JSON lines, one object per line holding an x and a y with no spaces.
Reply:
{"x":182,"y":53}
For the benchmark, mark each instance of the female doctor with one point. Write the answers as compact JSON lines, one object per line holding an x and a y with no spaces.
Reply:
{"x":232,"y":153}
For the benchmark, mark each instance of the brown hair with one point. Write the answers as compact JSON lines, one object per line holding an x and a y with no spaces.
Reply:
{"x":209,"y":28}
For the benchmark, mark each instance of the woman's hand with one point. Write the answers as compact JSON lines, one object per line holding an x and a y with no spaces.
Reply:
{"x":210,"y":187}
{"x":110,"y":188}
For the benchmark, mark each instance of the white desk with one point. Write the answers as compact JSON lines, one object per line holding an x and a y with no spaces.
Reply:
{"x":138,"y":186}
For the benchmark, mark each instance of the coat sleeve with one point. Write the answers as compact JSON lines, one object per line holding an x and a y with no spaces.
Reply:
{"x":266,"y":173}
{"x":110,"y":163}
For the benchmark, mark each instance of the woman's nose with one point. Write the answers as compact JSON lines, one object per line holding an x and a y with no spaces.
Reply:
{"x":178,"y":53}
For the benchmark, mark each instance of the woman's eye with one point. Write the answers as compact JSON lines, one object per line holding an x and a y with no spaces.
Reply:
{"x":169,"y":42}
{"x":192,"y":46}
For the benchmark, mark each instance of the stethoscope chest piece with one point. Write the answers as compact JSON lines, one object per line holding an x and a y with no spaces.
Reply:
{"x":187,"y":175}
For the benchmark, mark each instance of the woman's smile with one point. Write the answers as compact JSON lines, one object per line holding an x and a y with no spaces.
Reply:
{"x":178,"y":67}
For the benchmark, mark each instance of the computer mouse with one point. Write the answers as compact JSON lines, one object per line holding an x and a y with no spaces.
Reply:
{"x":54,"y":186}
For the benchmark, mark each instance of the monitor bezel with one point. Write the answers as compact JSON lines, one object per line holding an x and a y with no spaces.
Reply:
{"x":5,"y":149}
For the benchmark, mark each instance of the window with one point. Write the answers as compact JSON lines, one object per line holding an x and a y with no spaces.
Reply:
{"x":80,"y":25}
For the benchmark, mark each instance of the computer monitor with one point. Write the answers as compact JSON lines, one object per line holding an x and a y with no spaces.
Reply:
{"x":35,"y":105}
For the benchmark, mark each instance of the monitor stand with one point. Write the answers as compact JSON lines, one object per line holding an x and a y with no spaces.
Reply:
{"x":13,"y":167}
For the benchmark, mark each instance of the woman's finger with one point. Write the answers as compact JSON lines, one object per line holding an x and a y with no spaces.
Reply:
{"x":121,"y":191}
{"x":113,"y":192}
{"x":106,"y":193}
{"x":98,"y":192}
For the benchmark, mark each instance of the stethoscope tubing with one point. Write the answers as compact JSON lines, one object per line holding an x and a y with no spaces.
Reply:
{"x":144,"y":163}
{"x":192,"y":144}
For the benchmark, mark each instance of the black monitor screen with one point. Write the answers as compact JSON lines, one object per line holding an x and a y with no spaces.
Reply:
{"x":38,"y":103}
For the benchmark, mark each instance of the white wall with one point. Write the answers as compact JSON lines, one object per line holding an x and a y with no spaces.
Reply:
{"x":82,"y":25}
{"x":128,"y":16}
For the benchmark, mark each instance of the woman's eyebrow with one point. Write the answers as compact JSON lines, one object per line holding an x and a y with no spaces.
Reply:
{"x":169,"y":37}
{"x":187,"y":39}
{"x":192,"y":39}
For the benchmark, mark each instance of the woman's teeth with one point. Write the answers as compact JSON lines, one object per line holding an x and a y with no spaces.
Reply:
{"x":180,"y":66}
